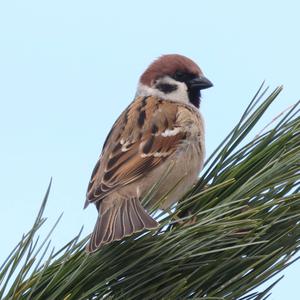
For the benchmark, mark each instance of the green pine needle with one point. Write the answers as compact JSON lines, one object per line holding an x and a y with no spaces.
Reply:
{"x":236,"y":229}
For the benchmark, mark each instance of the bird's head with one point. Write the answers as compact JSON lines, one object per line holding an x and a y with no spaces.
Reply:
{"x":174,"y":77}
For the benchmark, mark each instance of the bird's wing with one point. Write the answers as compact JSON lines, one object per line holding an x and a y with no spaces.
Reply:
{"x":143,"y":137}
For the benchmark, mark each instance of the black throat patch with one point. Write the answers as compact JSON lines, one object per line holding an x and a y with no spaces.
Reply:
{"x":194,"y":97}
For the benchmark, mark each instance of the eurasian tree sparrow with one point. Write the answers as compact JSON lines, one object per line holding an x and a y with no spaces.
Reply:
{"x":161,"y":127}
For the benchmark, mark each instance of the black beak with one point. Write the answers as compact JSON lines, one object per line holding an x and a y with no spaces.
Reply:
{"x":200,"y":83}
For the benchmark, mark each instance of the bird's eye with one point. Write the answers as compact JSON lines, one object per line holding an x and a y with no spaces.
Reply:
{"x":179,"y":76}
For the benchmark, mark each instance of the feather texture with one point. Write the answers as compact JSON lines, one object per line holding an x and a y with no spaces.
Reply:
{"x":149,"y":135}
{"x":136,"y":145}
{"x":124,"y":218}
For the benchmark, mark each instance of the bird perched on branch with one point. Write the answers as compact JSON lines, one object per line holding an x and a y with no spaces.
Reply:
{"x":162,"y":127}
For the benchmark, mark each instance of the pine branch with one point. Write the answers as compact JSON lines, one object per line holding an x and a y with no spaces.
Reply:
{"x":245,"y":230}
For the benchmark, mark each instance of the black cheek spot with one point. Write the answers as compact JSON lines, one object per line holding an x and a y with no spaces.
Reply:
{"x":166,"y":88}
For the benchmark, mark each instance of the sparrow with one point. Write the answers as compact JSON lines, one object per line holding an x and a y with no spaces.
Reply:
{"x":162,"y":127}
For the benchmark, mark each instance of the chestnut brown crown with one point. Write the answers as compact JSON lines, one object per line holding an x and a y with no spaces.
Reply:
{"x":168,"y":65}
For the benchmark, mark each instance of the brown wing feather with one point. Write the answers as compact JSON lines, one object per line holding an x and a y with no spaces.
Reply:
{"x":135,"y":146}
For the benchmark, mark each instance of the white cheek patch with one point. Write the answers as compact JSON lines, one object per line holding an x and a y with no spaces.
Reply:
{"x":171,"y":132}
{"x":179,"y":95}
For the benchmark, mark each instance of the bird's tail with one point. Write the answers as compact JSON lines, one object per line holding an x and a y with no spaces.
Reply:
{"x":126,"y":217}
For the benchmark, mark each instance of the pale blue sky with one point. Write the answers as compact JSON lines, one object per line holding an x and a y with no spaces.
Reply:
{"x":68,"y":68}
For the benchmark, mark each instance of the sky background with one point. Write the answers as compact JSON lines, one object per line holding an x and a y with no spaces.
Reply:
{"x":69,"y":68}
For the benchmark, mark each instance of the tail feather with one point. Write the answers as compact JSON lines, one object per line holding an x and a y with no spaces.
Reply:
{"x":144,"y":216}
{"x":110,"y":229}
{"x":125,"y":218}
{"x":135,"y":218}
{"x":119,"y":227}
{"x":127,"y":225}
